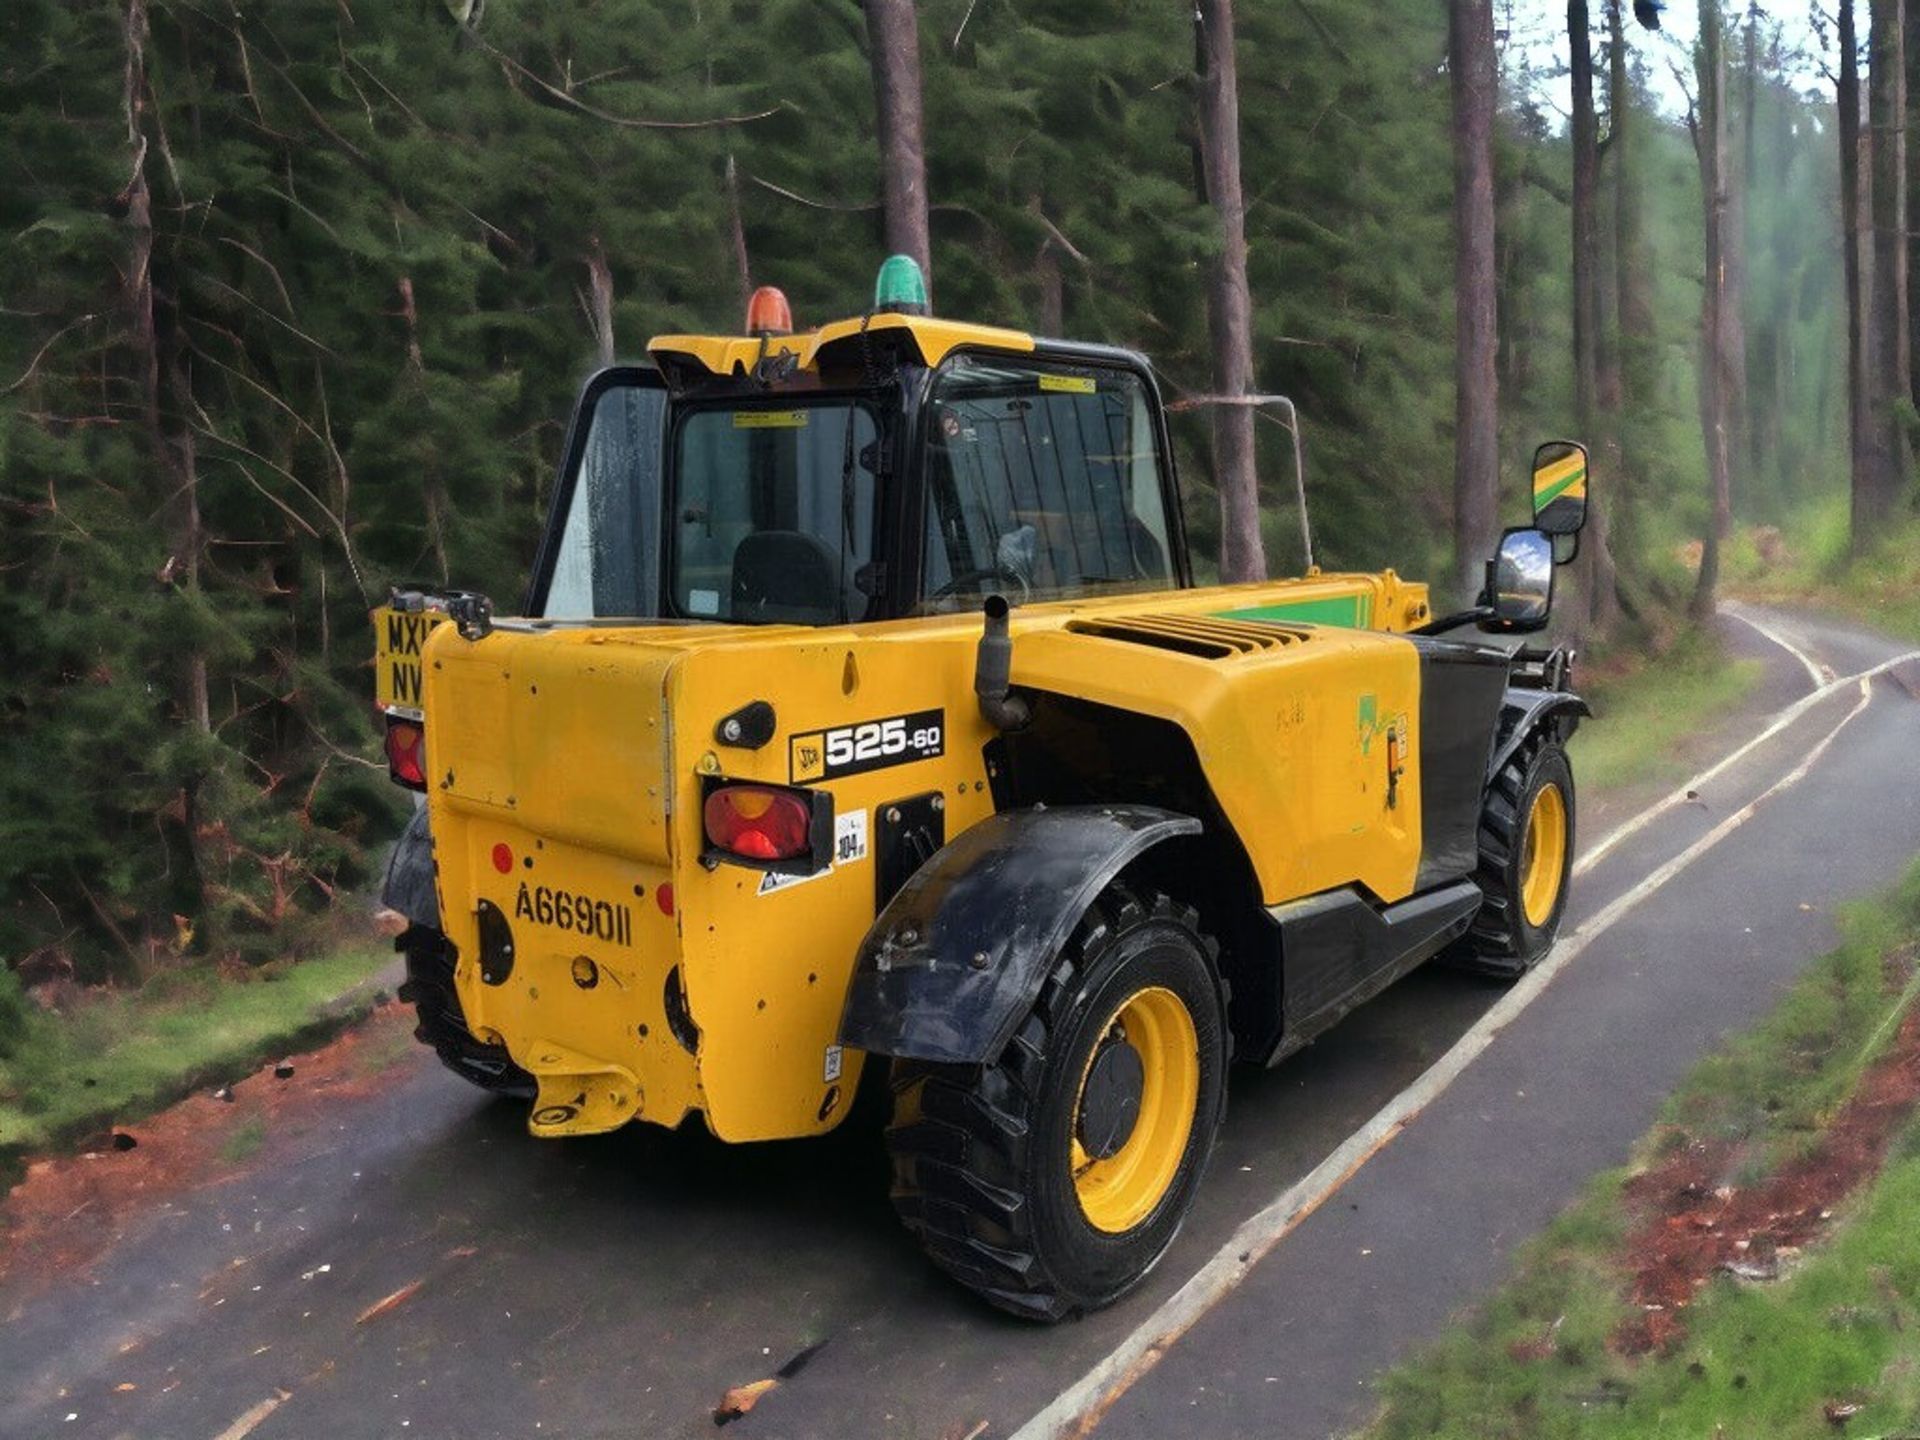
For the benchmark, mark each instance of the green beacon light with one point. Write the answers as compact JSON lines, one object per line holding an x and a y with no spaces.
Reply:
{"x":900,"y":288}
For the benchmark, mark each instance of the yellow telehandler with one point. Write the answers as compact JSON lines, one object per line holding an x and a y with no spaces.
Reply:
{"x":863,"y":710}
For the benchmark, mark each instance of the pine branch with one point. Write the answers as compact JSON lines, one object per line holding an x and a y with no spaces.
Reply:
{"x":627,"y":122}
{"x":40,"y":354}
{"x":799,"y":199}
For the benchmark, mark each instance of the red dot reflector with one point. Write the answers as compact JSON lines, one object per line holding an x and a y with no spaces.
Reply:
{"x":407,"y":753}
{"x":663,"y":896}
{"x":758,"y":822}
{"x":768,"y":312}
{"x":503,"y":857}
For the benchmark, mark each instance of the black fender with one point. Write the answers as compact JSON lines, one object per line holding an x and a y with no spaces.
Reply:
{"x":409,"y":884}
{"x":1522,"y":712}
{"x":958,"y":957}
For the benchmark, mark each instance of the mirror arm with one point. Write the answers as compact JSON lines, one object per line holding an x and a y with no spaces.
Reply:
{"x":1455,"y":620}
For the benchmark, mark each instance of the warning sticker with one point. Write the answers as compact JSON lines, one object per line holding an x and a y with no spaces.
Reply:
{"x":849,"y":847}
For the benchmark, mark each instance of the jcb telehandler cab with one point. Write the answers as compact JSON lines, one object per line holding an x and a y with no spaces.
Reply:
{"x":863,"y":710}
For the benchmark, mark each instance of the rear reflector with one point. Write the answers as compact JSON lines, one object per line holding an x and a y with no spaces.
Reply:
{"x":759,"y":822}
{"x":407,"y":753}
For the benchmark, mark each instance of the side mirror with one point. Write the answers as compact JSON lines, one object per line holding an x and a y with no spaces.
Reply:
{"x":1520,"y":583}
{"x":1560,"y":487}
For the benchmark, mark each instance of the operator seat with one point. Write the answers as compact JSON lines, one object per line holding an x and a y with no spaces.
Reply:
{"x":785,"y":576}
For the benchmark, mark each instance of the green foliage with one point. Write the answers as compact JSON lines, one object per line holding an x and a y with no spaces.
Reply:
{"x":373,"y":234}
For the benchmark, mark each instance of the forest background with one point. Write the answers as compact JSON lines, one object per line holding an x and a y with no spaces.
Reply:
{"x":294,"y":299}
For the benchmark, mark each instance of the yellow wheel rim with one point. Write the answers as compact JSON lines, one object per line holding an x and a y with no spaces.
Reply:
{"x":1119,"y":1191}
{"x":1543,"y":858}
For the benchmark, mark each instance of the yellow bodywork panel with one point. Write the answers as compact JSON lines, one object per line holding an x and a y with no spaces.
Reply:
{"x":935,"y":339}
{"x":567,"y":767}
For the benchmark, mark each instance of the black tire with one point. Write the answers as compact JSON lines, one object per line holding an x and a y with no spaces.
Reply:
{"x":981,"y":1154}
{"x":442,"y":1027}
{"x":1503,"y":942}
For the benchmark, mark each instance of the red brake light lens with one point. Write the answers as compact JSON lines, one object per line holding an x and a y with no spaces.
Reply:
{"x":407,"y":753}
{"x":758,"y":822}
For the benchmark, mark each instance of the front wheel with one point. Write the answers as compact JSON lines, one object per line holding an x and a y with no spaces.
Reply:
{"x":1526,"y":856}
{"x":1052,"y":1180}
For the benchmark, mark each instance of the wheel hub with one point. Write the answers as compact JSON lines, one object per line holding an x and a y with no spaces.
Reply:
{"x":1110,"y":1101}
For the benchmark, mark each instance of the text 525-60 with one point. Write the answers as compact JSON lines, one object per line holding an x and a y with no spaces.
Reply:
{"x":571,"y":910}
{"x":879,"y":739}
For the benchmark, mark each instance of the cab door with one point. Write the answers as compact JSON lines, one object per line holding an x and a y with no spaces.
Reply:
{"x":600,"y":556}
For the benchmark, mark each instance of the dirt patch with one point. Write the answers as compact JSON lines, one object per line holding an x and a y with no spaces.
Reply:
{"x":1692,"y":1222}
{"x":70,"y":1209}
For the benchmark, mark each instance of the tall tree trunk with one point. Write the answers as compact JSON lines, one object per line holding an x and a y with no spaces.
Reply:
{"x":1743,"y":431}
{"x":1854,"y":264}
{"x":737,"y":234}
{"x":1229,"y":301}
{"x":893,"y":37}
{"x":1887,"y":357}
{"x":1476,"y":442}
{"x":1710,"y":145}
{"x":1598,"y":580}
{"x":177,"y":477}
{"x":598,"y":301}
{"x":1586,"y":178}
{"x":1633,"y":271}
{"x":1052,"y":287}
{"x":1911,"y":36}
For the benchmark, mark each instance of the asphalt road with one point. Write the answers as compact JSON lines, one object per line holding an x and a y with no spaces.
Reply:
{"x":619,"y":1286}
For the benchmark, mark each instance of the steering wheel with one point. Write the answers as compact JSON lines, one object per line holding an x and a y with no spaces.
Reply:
{"x":970,"y":579}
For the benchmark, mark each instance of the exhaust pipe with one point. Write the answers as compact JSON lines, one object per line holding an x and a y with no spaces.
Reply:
{"x":993,"y":663}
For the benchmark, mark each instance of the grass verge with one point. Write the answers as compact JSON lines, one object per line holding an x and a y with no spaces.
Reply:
{"x":1832,"y":1348}
{"x":1879,"y":586}
{"x":118,"y":1057}
{"x":1643,"y":714}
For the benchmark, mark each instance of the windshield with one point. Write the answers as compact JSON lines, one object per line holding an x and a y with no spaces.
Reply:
{"x":769,"y":527}
{"x":1043,"y":483}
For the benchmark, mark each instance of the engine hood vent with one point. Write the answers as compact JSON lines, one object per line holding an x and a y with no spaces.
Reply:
{"x":1204,"y":636}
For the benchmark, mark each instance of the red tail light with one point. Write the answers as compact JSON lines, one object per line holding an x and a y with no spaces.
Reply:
{"x":759,"y":822}
{"x":407,"y":753}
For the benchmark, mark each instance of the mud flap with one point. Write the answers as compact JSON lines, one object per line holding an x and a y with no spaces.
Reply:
{"x":579,"y":1095}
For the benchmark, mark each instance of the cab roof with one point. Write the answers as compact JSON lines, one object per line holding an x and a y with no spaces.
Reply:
{"x":738,"y":355}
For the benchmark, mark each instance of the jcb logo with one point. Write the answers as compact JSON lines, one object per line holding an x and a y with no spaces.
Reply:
{"x":808,"y":761}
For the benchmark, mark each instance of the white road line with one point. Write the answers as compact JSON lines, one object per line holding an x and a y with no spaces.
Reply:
{"x":1076,"y":1411}
{"x":1596,"y":852}
{"x":1818,"y":673}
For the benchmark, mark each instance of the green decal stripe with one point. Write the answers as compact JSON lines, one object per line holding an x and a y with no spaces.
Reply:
{"x":1553,"y":492}
{"x":1353,"y":611}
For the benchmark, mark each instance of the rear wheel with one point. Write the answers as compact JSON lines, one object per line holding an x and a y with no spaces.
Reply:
{"x":442,"y":1024}
{"x":1526,"y":855}
{"x":1051,"y":1180}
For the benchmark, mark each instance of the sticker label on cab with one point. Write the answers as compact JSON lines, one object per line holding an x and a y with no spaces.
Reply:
{"x":869,"y":745}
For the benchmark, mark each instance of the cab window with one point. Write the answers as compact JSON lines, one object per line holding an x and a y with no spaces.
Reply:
{"x":1043,"y":482}
{"x":608,"y":559}
{"x":773,"y":513}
